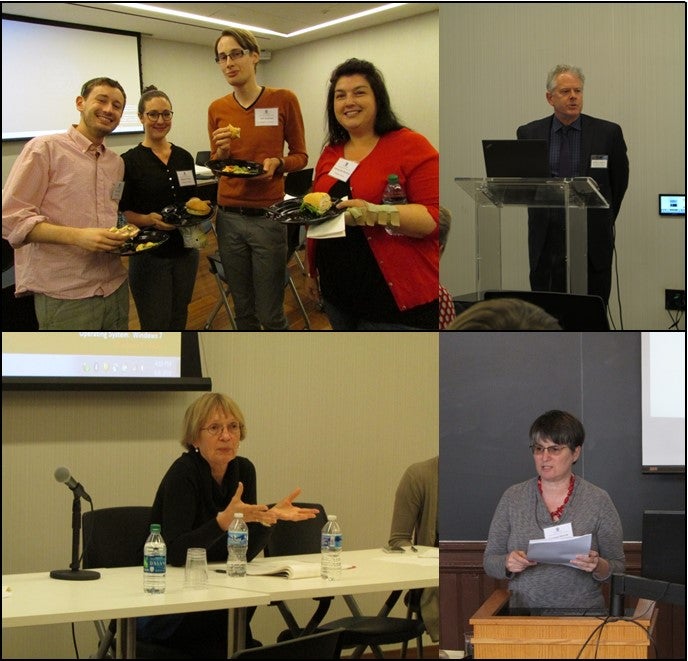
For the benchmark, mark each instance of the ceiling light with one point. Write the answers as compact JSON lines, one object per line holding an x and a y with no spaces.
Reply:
{"x":216,"y":21}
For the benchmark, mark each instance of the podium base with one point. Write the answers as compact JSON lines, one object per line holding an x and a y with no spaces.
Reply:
{"x":74,"y":574}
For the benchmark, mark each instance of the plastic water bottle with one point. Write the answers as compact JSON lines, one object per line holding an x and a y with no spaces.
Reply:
{"x":154,"y":561}
{"x":394,"y":194}
{"x":331,"y":550}
{"x":237,"y":545}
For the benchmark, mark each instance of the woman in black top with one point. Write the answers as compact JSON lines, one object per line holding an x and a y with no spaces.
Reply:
{"x":196,"y":502}
{"x":157,"y":174}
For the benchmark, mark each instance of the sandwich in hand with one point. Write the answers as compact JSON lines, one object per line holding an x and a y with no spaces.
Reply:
{"x":197,"y":207}
{"x":234,"y":132}
{"x":316,"y":204}
{"x":128,"y":230}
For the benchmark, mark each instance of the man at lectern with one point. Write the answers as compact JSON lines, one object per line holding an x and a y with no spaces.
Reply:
{"x":557,"y":505}
{"x":579,"y":146}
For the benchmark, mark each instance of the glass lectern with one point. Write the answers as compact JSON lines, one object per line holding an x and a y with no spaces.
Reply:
{"x":575,"y":196}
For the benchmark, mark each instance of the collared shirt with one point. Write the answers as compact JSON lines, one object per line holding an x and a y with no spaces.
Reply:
{"x":574,"y":146}
{"x":65,"y":180}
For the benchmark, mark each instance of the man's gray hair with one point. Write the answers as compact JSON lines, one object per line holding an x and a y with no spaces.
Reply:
{"x":559,"y":69}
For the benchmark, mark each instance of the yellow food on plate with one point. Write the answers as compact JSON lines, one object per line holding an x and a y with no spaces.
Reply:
{"x":237,"y":169}
{"x":145,"y":246}
{"x":316,"y":203}
{"x":127,"y":230}
{"x":198,"y":207}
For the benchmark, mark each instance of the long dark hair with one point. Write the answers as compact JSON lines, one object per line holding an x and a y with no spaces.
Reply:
{"x":385,"y":119}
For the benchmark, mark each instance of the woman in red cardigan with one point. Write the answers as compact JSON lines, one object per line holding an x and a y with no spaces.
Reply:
{"x":384,"y":274}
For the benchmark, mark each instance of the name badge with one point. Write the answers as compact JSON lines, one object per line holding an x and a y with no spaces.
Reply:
{"x":117,"y":191}
{"x":564,"y":531}
{"x":343,"y":169}
{"x":186,"y":178}
{"x":266,"y":117}
{"x":599,"y":161}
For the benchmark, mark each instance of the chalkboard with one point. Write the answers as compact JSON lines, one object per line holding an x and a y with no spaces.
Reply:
{"x":493,"y":386}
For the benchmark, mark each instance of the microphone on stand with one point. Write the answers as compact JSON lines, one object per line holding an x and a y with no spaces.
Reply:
{"x":74,"y":573}
{"x":62,"y":475}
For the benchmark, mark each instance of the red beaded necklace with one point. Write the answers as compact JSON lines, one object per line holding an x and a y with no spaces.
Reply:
{"x":557,"y":512}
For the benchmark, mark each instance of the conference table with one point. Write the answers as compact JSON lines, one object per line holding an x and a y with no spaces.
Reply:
{"x":37,"y":599}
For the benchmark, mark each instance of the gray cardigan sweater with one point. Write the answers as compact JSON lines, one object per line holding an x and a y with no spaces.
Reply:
{"x":521,"y":515}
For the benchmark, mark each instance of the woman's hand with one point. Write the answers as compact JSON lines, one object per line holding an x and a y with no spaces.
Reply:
{"x":286,"y":511}
{"x":252,"y":513}
{"x":517,"y":561}
{"x":592,"y":563}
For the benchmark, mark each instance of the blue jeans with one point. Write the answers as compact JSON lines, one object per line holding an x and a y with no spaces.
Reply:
{"x":343,"y":321}
{"x":253,"y":251}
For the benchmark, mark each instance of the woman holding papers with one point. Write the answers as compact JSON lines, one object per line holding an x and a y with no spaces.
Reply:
{"x":383,"y":274}
{"x":196,"y":502}
{"x":557,"y":506}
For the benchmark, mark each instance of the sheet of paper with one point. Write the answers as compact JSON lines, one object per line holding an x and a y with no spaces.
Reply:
{"x":330,"y":229}
{"x":558,"y":551}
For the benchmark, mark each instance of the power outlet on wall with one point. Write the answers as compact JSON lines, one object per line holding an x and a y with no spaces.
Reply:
{"x":675,"y":299}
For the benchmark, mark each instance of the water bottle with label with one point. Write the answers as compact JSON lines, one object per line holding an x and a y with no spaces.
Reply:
{"x":394,"y":194}
{"x":237,"y":546}
{"x":331,"y":549}
{"x":154,"y":561}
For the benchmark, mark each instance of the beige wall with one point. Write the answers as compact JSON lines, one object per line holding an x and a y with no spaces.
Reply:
{"x":406,"y":51}
{"x":340,"y":415}
{"x":494,"y":61}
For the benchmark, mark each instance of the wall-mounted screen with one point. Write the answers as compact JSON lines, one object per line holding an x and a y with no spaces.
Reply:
{"x":107,"y":360}
{"x":672,"y":205}
{"x":44,"y":65}
{"x":663,"y":364}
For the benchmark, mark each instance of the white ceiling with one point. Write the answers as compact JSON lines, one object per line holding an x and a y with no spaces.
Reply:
{"x":282,"y":17}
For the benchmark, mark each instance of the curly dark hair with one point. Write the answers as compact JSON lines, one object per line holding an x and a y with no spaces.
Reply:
{"x":385,"y":119}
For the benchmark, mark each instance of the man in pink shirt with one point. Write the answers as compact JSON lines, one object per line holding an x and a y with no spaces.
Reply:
{"x":58,"y":203}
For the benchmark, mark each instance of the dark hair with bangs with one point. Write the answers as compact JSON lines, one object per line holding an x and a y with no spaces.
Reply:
{"x":385,"y":119}
{"x":560,"y":427}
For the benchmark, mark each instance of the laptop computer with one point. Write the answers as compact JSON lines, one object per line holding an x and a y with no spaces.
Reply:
{"x":516,"y":158}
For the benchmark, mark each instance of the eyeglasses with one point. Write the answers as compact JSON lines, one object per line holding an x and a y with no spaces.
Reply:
{"x":554,"y":450}
{"x":216,"y":429}
{"x":154,"y":116}
{"x":235,"y":54}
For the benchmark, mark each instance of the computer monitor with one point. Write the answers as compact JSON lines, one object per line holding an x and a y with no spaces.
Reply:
{"x":516,"y":158}
{"x":664,"y":546}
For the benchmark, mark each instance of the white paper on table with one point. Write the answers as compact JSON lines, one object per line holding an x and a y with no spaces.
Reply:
{"x":558,"y":551}
{"x":330,"y":229}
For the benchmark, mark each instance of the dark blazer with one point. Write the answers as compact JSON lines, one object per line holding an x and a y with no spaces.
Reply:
{"x":599,"y":137}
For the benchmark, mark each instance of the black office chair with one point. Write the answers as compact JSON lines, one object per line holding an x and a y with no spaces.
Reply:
{"x":574,"y":312}
{"x":202,"y":157}
{"x":298,"y":183}
{"x":323,"y":645}
{"x":114,"y":537}
{"x":295,"y":538}
{"x":363,"y":631}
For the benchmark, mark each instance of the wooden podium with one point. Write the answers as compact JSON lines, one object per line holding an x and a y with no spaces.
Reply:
{"x":545,"y":637}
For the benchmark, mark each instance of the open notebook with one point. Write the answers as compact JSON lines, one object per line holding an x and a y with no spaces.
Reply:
{"x":291,"y":569}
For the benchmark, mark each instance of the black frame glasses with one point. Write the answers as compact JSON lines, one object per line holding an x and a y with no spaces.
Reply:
{"x":154,"y":115}
{"x":235,"y":54}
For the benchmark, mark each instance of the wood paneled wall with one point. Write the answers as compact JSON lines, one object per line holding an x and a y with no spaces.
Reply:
{"x":464,"y":586}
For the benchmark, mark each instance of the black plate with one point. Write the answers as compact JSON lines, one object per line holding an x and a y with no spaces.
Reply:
{"x":289,"y":212}
{"x":176,"y":214}
{"x":254,"y":169}
{"x":144,"y":236}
